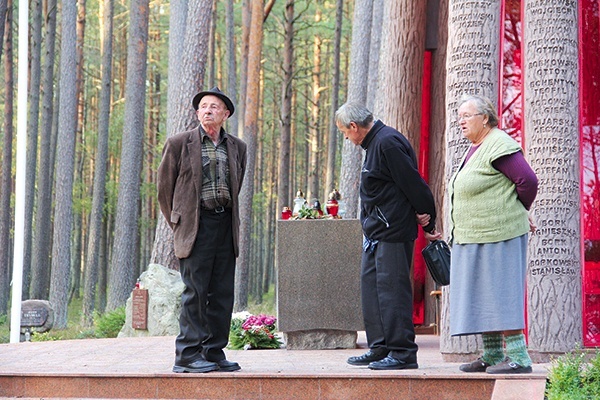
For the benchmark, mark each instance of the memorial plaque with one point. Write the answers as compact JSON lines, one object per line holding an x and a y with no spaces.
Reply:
{"x":139,"y":309}
{"x":33,"y":316}
{"x":36,"y":316}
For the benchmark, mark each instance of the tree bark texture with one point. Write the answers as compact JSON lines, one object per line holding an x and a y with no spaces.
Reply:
{"x":551,"y":116}
{"x":231,"y":88}
{"x":6,"y":177}
{"x":99,"y":188}
{"x":192,"y":64}
{"x":41,"y":262}
{"x":377,"y":29}
{"x":332,"y":142}
{"x":283,"y":184}
{"x":358,"y":78}
{"x":314,"y":176}
{"x":472,"y":68}
{"x":35,"y":52}
{"x":67,"y":125}
{"x":124,"y":258}
{"x":3,"y":9}
{"x":250,"y":137}
{"x":401,"y":67}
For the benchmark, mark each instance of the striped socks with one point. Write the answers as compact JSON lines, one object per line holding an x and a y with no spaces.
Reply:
{"x":517,"y":350}
{"x":493,"y":349}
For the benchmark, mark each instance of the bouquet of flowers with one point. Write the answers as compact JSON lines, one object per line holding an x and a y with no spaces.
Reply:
{"x":253,"y":332}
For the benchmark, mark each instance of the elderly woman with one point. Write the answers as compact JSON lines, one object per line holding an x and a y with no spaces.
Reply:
{"x":490,"y":194}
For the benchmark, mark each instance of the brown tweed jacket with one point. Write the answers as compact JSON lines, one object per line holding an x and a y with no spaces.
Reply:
{"x":180,"y":186}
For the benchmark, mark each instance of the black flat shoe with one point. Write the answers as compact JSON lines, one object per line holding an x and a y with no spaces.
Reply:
{"x":196,"y":366}
{"x":226,"y":365}
{"x":509,"y":367}
{"x":475,"y":366}
{"x":367,"y":358}
{"x":392,"y":363}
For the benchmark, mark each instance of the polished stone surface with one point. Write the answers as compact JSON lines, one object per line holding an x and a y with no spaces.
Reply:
{"x":318,"y":274}
{"x":141,"y":368}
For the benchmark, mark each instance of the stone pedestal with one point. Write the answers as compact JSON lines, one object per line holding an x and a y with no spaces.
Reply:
{"x":318,"y":283}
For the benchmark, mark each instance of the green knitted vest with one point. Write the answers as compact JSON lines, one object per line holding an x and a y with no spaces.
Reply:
{"x":484,"y":203}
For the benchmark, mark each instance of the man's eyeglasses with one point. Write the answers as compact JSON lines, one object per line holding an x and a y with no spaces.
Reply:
{"x":466,"y":117}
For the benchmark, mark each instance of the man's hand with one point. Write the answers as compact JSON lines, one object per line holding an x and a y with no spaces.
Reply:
{"x":423,"y":219}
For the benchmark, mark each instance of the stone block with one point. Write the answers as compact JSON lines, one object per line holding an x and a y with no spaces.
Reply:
{"x":164,"y":303}
{"x":318,"y":275}
{"x":320,"y":339}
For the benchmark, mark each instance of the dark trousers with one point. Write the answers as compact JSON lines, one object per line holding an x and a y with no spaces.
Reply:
{"x":207,"y":301}
{"x":387,"y":300}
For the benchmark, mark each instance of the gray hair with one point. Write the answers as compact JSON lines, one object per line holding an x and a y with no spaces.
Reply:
{"x":353,"y":112}
{"x":484,"y":106}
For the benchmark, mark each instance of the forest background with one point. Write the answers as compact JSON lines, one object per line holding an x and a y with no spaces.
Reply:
{"x":109,"y":80}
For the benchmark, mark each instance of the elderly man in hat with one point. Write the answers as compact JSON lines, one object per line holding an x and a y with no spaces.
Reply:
{"x":199,"y":180}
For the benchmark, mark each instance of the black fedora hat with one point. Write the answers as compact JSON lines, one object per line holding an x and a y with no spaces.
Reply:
{"x":214,"y":92}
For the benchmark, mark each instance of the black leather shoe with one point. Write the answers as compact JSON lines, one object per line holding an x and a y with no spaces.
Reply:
{"x":474,"y":366}
{"x":508,"y":366}
{"x":226,"y":365}
{"x":367,"y":358}
{"x":196,"y":366}
{"x":392,"y":363}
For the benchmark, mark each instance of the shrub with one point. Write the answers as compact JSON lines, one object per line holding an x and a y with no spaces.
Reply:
{"x":109,"y":325}
{"x":571,"y":377}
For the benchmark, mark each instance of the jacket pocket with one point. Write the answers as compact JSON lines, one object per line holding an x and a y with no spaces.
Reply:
{"x":175,"y":217}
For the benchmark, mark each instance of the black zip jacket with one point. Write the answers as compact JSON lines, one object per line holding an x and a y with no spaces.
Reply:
{"x":391,"y":189}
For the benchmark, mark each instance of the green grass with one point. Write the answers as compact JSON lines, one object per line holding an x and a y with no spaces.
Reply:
{"x":74,"y":329}
{"x":109,"y":324}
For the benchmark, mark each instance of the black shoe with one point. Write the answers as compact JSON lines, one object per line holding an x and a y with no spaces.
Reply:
{"x":392,"y":363}
{"x":367,"y":358}
{"x":508,"y":367}
{"x":226,"y":365}
{"x":196,"y":366}
{"x":475,"y":366}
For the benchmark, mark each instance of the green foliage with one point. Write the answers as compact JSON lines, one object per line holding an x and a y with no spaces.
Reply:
{"x":253,"y":332}
{"x":46,"y":336}
{"x":307,"y":213}
{"x":572,"y":377}
{"x":109,"y":325}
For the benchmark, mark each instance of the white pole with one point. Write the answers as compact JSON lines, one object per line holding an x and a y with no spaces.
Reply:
{"x":17,"y":280}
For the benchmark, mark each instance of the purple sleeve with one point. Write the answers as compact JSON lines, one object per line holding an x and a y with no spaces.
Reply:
{"x":516,"y":168}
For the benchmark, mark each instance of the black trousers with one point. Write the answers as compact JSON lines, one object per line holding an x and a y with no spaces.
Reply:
{"x":207,"y":301}
{"x":387,"y":300}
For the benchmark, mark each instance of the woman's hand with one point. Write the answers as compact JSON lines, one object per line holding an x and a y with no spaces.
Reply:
{"x":433,"y":235}
{"x":532,"y":226}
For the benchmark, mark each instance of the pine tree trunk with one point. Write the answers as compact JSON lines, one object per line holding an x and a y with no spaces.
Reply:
{"x":124,"y":260}
{"x":250,"y":137}
{"x":332,"y":142}
{"x":231,"y":66}
{"x":6,"y":176}
{"x":67,"y":126}
{"x":32,"y":138}
{"x":357,"y":92}
{"x":283,"y":183}
{"x":95,"y":230}
{"x":40,"y":267}
{"x":401,"y":68}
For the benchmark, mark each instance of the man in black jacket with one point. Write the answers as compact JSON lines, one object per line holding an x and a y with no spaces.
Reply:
{"x":392,"y":193}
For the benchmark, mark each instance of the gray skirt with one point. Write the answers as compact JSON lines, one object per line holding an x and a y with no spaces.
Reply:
{"x":487,"y":286}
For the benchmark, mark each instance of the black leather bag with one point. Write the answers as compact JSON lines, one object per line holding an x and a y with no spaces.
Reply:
{"x":437,"y":259}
